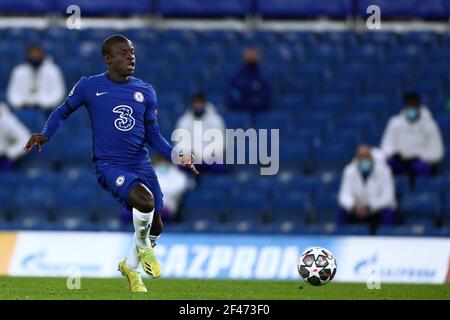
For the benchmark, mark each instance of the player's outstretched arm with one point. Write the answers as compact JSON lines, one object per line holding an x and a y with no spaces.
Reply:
{"x":54,"y":121}
{"x":37,"y":140}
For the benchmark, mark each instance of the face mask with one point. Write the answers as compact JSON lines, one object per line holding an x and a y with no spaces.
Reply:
{"x":365,"y":166}
{"x":199,"y":112}
{"x":162,"y":168}
{"x":412,"y":114}
{"x":35,"y":63}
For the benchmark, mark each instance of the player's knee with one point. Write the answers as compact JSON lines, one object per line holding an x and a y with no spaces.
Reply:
{"x":145,"y":203}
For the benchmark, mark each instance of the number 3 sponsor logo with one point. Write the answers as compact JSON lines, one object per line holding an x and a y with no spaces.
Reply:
{"x":125,"y":121}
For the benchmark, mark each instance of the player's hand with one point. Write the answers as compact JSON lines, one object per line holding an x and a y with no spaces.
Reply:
{"x":187,"y":160}
{"x":36,"y":139}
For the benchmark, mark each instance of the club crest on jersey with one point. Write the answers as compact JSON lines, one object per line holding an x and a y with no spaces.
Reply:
{"x":138,"y":96}
{"x":120,"y":180}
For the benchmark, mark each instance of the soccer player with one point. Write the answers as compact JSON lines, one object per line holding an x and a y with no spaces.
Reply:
{"x":123,"y":114}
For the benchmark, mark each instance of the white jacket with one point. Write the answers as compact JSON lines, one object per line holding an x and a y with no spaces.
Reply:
{"x":13,"y":134}
{"x":43,"y":87}
{"x":378,"y":191}
{"x":420,"y":139}
{"x":210,"y":120}
{"x":174,"y":184}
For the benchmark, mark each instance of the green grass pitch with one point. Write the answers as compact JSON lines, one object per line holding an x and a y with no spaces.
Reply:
{"x":14,"y":288}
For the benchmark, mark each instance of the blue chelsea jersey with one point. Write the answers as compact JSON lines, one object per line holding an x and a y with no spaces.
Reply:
{"x":119,"y":113}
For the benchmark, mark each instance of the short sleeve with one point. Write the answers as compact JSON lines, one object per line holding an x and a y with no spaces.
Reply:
{"x":152,"y":106}
{"x":76,"y":97}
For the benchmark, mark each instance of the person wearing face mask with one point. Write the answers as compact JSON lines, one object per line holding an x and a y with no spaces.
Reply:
{"x":38,"y":82}
{"x":367,"y":191}
{"x":13,"y":136}
{"x":248,"y":89}
{"x":203,"y":113}
{"x":412,"y":141}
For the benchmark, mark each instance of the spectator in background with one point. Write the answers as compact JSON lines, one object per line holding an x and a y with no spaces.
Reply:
{"x":248,"y":89}
{"x":205,"y":112}
{"x":412,"y":141}
{"x":13,"y":136}
{"x":174,"y":183}
{"x":367,"y":192}
{"x":36,"y":83}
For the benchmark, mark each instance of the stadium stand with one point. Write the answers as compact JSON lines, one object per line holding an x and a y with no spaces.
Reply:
{"x":332,"y":91}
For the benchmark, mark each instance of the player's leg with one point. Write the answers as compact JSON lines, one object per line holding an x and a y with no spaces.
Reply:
{"x":156,"y":229}
{"x":140,"y":198}
{"x":143,"y":204}
{"x":118,"y":182}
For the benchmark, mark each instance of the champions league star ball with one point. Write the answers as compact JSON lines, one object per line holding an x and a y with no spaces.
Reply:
{"x":317,"y":266}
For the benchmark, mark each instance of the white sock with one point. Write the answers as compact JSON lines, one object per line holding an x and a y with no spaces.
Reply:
{"x":132,"y":260}
{"x":142,"y":223}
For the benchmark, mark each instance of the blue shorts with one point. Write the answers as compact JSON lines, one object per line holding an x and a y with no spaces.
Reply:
{"x":118,"y":180}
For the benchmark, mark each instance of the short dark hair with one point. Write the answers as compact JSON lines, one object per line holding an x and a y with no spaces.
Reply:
{"x":411,"y":96}
{"x":111,"y":41}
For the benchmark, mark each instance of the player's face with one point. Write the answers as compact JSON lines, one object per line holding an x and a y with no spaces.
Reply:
{"x":122,"y":59}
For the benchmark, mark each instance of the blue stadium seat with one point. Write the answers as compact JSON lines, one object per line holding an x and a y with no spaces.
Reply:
{"x":27,"y":7}
{"x":357,"y":122}
{"x":339,"y":37}
{"x":333,"y":156}
{"x":325,"y":53}
{"x":37,"y":198}
{"x":371,"y":103}
{"x":105,"y":7}
{"x":291,"y":103}
{"x":380,"y":38}
{"x":370,"y":54}
{"x":315,"y":120}
{"x":426,"y":184}
{"x":251,"y":207}
{"x":312,"y":71}
{"x":401,"y":186}
{"x":425,"y":39}
{"x":355,"y":71}
{"x":303,"y":8}
{"x":423,"y":206}
{"x":273,"y":120}
{"x":337,"y":104}
{"x":326,"y":206}
{"x":292,"y":207}
{"x":204,"y":205}
{"x":405,"y":54}
{"x":345,"y":87}
{"x":235,"y":120}
{"x":33,"y":119}
{"x":204,"y":8}
{"x":416,"y":230}
{"x":432,"y":9}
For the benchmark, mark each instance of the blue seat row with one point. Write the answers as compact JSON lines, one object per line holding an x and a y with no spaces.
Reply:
{"x":430,"y":9}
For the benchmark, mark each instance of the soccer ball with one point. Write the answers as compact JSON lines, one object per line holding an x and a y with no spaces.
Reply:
{"x":317,"y":266}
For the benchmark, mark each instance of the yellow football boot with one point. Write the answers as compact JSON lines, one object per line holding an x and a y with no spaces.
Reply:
{"x":134,"y":278}
{"x":149,"y":263}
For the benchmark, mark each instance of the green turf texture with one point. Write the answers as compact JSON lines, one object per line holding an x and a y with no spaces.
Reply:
{"x":13,"y":288}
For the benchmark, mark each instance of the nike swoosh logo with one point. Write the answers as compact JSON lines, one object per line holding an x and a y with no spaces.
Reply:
{"x":100,"y":93}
